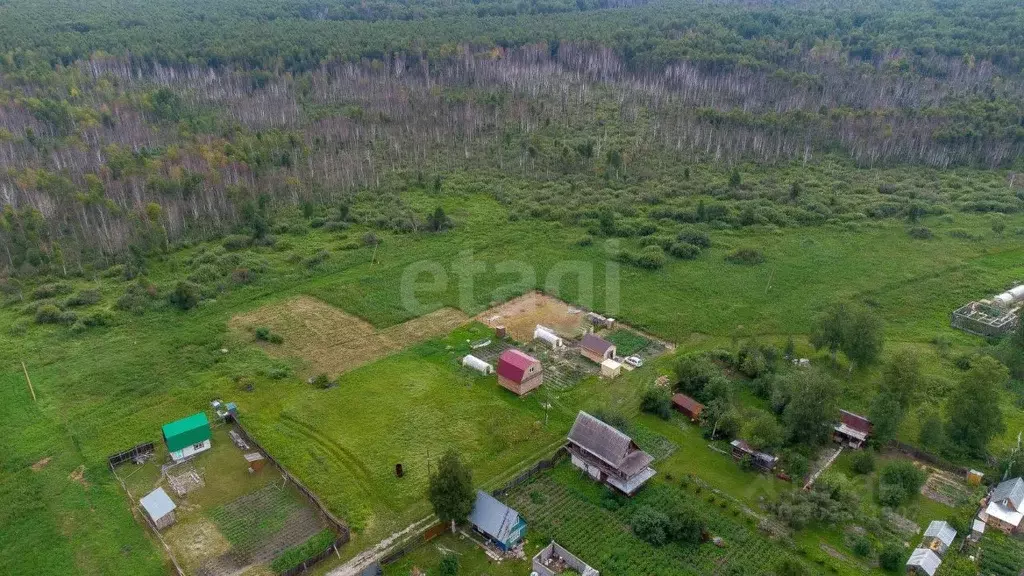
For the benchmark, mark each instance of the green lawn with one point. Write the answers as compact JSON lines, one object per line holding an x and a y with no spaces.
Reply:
{"x":407,"y":408}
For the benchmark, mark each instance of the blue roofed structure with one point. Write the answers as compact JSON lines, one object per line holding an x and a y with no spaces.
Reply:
{"x":501,"y":524}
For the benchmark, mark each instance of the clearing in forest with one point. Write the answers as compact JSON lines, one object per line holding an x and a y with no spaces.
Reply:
{"x":333,"y":342}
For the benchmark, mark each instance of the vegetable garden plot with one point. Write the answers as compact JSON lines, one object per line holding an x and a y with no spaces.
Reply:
{"x":596,"y":528}
{"x":262,"y":524}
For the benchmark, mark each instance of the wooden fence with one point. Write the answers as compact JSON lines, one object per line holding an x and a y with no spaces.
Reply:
{"x":121,"y":457}
{"x":314,"y":560}
{"x":336,"y":522}
{"x":414,"y":543}
{"x":527,"y":475}
{"x":339,"y":526}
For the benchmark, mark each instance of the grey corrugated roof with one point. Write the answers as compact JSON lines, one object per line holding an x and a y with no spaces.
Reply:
{"x":492,"y":517}
{"x":1012,"y":490}
{"x":925,"y":559}
{"x":601,"y":439}
{"x":942,"y":530}
{"x":157,"y":504}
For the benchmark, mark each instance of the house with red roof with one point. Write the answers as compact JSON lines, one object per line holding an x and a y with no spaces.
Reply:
{"x":519,"y":372}
{"x":852,"y":430}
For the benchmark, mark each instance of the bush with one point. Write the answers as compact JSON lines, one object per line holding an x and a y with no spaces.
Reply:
{"x":861,"y":546}
{"x":186,"y":295}
{"x":48,"y":314}
{"x":236,"y":242}
{"x":296,"y":555}
{"x":449,"y":565}
{"x":614,"y":419}
{"x":696,"y":238}
{"x":264,"y":334}
{"x":50,"y":290}
{"x":863,"y":462}
{"x":920,"y":232}
{"x":316,"y":259}
{"x":898,"y":481}
{"x":685,"y":528}
{"x":650,"y":525}
{"x":657,"y":400}
{"x":322,"y":381}
{"x":745,"y":256}
{"x":684,"y":251}
{"x":891,"y":557}
{"x":83,"y":298}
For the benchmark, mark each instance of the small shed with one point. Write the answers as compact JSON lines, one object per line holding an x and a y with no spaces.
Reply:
{"x":923,"y":562}
{"x":610,"y":368}
{"x":548,"y":336}
{"x":974,"y":477}
{"x":977,"y":530}
{"x":596,"y":349}
{"x":938,"y":536}
{"x":159,"y":507}
{"x":188,"y":436}
{"x":519,"y":372}
{"x":255,"y":460}
{"x":474,"y":363}
{"x":688,"y":406}
{"x":499,"y":523}
{"x":852,"y":430}
{"x":761,"y":460}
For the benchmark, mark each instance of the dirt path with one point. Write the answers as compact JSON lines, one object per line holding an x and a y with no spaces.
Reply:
{"x":821,"y":466}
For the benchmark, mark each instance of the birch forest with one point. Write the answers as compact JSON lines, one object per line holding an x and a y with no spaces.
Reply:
{"x":131,"y":127}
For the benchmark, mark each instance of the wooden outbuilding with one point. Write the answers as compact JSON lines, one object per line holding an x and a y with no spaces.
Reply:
{"x":852,"y":430}
{"x":255,"y":460}
{"x":159,"y":507}
{"x":519,"y":372}
{"x":1005,"y":509}
{"x":596,"y":349}
{"x":610,"y":368}
{"x":688,"y":406}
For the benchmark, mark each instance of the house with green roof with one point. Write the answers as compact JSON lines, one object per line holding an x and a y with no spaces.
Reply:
{"x":187,"y":436}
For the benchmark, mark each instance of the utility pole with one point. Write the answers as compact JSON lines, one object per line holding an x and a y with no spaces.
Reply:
{"x":32,"y":390}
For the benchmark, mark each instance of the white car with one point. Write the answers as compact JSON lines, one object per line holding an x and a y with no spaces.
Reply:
{"x":634,"y":361}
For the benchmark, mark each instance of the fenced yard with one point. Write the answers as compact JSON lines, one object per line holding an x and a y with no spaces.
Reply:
{"x":228,"y":520}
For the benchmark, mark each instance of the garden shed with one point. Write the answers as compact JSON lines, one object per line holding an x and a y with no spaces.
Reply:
{"x":852,"y":430}
{"x":188,"y":436}
{"x":519,"y":372}
{"x":688,"y":406}
{"x":499,"y":523}
{"x":596,"y":349}
{"x":159,"y":507}
{"x":610,"y":368}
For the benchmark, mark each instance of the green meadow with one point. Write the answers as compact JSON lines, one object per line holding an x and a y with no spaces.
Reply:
{"x":107,"y":388}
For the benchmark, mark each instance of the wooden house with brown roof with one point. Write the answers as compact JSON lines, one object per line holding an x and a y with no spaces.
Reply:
{"x":596,"y":349}
{"x":608,"y":455}
{"x":688,"y":406}
{"x":852,"y":430}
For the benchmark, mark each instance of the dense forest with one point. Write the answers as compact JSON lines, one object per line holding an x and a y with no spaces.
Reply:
{"x":127,"y":127}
